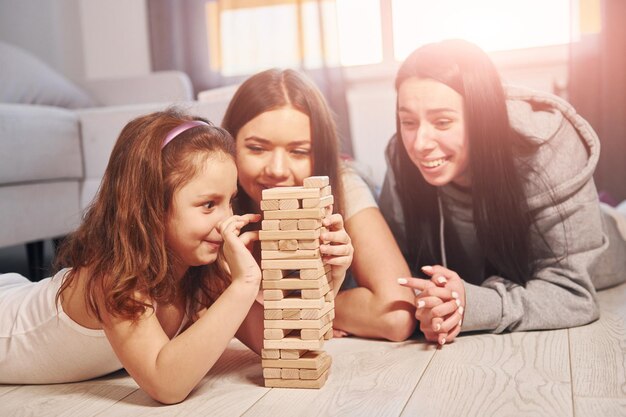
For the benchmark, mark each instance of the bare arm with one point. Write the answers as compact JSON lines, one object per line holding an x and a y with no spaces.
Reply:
{"x":379,"y":307}
{"x":169,"y":369}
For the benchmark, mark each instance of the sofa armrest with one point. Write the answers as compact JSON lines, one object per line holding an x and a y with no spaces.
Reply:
{"x":157,"y":87}
{"x":101,"y":126}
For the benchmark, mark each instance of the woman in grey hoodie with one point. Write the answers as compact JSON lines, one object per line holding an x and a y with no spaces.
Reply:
{"x":490,"y":195}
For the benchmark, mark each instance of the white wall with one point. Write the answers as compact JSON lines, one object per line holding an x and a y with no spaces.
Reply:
{"x":83,"y":39}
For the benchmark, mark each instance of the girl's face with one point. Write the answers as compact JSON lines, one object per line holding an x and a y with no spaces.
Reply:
{"x":433,"y":131}
{"x":197,"y":208}
{"x":274,"y":149}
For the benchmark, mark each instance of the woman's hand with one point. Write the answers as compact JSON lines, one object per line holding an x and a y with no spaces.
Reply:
{"x":241,"y":263}
{"x":440,"y":304}
{"x":336,"y":248}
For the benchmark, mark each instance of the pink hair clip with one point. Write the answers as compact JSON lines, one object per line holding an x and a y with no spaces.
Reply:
{"x":180,"y":129}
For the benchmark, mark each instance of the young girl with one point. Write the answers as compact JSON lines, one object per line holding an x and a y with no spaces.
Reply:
{"x":144,"y":270}
{"x":284,"y":132}
{"x":490,"y":191}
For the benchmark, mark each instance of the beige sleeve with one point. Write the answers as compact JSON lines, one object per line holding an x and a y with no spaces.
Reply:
{"x":357,"y":194}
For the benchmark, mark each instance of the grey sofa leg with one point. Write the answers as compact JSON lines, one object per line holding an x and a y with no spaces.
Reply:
{"x":34,"y":253}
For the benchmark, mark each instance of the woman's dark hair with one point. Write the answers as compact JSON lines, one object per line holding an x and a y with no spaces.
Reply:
{"x":500,"y":208}
{"x":273,"y":89}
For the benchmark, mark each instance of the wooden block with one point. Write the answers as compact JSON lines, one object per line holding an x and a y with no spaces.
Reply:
{"x":315,"y":293}
{"x":295,"y":284}
{"x":286,"y":373}
{"x":314,"y":273}
{"x":292,"y":264}
{"x":309,"y":360}
{"x":270,"y":224}
{"x":270,"y":353}
{"x":291,"y":314}
{"x":325,"y":191}
{"x":274,"y":295}
{"x":288,"y":244}
{"x":316,"y":181}
{"x":308,"y":244}
{"x":288,"y":224}
{"x":329,"y":296}
{"x":295,"y":303}
{"x":297,"y":383}
{"x":289,"y":204}
{"x":318,"y":202}
{"x":291,"y":254}
{"x":272,"y":314}
{"x":269,"y":245}
{"x":289,"y":234}
{"x":293,"y":342}
{"x":271,"y":372}
{"x":311,"y":213}
{"x":273,"y":274}
{"x":299,"y":323}
{"x":314,"y":314}
{"x":314,"y":334}
{"x":292,"y":353}
{"x":308,"y":224}
{"x":329,"y":334}
{"x":284,"y":193}
{"x":270,"y":204}
{"x":316,"y":373}
{"x":276,"y":334}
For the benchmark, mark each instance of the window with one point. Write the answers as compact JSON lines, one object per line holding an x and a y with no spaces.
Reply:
{"x":246,"y":36}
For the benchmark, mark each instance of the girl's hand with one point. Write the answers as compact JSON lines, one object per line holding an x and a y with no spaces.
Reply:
{"x":336,"y":248}
{"x":241,"y":263}
{"x":447,"y":318}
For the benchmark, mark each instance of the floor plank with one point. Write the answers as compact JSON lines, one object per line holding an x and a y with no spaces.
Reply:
{"x":232,"y":386}
{"x":494,"y":375}
{"x":78,"y":399}
{"x":598,"y":355}
{"x":367,"y":378}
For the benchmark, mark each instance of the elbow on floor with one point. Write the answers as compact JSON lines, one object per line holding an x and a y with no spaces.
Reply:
{"x":398,"y":326}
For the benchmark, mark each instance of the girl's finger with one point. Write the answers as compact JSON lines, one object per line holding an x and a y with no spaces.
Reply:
{"x":336,"y":250}
{"x":453,"y":334}
{"x":444,"y":293}
{"x":446,"y":308}
{"x":333,"y":222}
{"x":415,"y":283}
{"x":427,"y":302}
{"x":450,"y":322}
{"x":249,"y":237}
{"x":340,"y":237}
{"x":337,"y":260}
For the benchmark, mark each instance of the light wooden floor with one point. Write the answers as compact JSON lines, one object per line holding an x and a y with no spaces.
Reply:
{"x":571,"y":372}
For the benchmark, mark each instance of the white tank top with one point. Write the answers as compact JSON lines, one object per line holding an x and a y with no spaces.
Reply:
{"x":42,"y":345}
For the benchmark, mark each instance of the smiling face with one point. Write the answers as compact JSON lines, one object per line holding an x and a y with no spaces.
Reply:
{"x":433,"y":131}
{"x":274,"y":149}
{"x":196,"y":209}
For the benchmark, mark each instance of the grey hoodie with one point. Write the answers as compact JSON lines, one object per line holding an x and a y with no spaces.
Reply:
{"x":590,"y":239}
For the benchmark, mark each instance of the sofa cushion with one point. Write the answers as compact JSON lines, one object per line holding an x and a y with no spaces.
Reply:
{"x":38,"y":143}
{"x":26,"y":79}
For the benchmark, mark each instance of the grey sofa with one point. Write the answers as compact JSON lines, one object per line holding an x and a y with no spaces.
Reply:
{"x":54,"y":149}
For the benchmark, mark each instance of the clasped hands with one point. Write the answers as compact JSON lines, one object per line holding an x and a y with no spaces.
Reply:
{"x":440,"y":303}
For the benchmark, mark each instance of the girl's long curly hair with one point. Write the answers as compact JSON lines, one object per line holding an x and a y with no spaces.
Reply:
{"x":121,"y":241}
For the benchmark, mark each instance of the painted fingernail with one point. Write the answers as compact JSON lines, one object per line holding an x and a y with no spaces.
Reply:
{"x":460,"y":322}
{"x":420,"y":304}
{"x":455,"y":294}
{"x":437,"y":327}
{"x":457,"y":302}
{"x":443,"y":341}
{"x":402,"y":281}
{"x":427,"y":268}
{"x":461,"y":310}
{"x":442,"y":280}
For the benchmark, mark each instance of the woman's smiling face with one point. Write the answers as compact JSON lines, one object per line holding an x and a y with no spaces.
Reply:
{"x":432,"y":125}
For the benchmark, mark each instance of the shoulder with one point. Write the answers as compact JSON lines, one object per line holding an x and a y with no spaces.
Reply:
{"x":565,"y":148}
{"x":358,"y":195}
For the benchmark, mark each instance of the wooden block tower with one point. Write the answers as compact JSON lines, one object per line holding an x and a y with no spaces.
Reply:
{"x":297,"y":287}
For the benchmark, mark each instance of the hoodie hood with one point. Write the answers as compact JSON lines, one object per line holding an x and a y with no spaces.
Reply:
{"x":561,"y":164}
